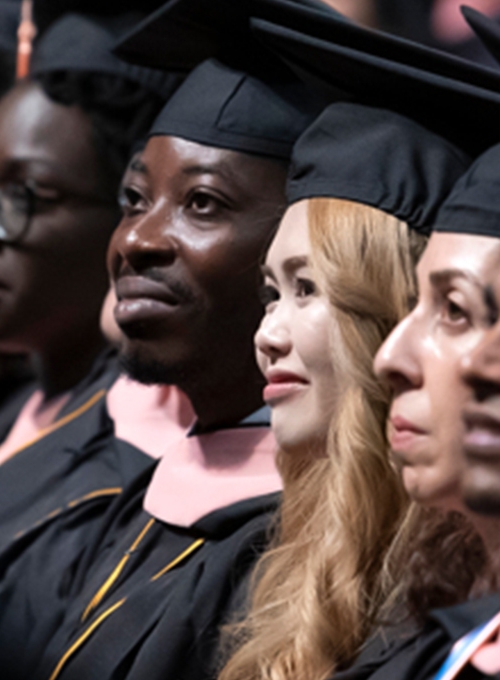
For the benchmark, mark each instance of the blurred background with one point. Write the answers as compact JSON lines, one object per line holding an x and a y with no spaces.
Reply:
{"x":434,"y":22}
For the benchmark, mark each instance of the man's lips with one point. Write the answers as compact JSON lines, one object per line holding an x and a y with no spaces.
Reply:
{"x":282,"y":385}
{"x":403,"y":433}
{"x":482,"y":437}
{"x":140,"y":299}
{"x":138,"y":287}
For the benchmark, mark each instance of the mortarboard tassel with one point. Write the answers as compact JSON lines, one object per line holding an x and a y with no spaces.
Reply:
{"x":25,"y":35}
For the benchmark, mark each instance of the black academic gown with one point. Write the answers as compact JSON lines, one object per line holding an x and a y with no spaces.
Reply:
{"x":421,"y":656}
{"x":73,"y":465}
{"x":150,"y":597}
{"x":53,"y":495}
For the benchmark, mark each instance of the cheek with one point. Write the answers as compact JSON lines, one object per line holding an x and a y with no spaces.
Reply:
{"x":68,"y":256}
{"x":262,"y":360}
{"x":312,"y":331}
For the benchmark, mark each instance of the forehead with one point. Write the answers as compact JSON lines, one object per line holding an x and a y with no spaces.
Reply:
{"x":168,"y":157}
{"x":471,"y":255}
{"x":34,"y":128}
{"x":54,"y":141}
{"x":292,"y":237}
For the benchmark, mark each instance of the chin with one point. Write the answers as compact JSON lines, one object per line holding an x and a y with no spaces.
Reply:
{"x":298,"y":443}
{"x":142,"y":365}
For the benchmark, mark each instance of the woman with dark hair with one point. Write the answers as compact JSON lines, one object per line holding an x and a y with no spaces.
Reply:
{"x":66,"y":136}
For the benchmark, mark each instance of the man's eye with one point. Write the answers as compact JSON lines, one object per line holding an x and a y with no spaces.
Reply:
{"x":204,"y":204}
{"x":304,"y":287}
{"x":268,"y":294}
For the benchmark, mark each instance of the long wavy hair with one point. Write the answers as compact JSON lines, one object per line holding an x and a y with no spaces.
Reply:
{"x":317,"y":592}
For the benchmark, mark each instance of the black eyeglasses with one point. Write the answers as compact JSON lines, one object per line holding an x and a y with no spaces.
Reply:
{"x":18,"y":203}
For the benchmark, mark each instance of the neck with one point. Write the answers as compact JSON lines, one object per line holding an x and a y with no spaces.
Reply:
{"x":225,"y":402}
{"x":62,"y":365}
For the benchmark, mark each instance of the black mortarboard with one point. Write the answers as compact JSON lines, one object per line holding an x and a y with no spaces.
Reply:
{"x":458,"y":100}
{"x":225,"y":107}
{"x":473,"y":206}
{"x":486,"y":28}
{"x":10,"y":16}
{"x":239,"y":96}
{"x":378,"y":158}
{"x":183,"y":33}
{"x":78,"y":42}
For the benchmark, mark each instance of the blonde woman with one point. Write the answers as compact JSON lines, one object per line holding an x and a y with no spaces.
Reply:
{"x":348,"y":244}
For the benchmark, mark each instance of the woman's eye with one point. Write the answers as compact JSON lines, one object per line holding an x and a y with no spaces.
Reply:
{"x":304,"y":287}
{"x":453,"y":313}
{"x":268,"y":294}
{"x":19,"y":197}
{"x":129,"y":200}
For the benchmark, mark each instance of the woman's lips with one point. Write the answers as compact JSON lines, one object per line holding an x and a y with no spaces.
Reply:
{"x":482,"y":437}
{"x":403,"y":433}
{"x":282,"y":385}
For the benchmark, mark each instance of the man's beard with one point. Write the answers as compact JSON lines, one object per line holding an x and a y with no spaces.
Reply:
{"x":149,"y":371}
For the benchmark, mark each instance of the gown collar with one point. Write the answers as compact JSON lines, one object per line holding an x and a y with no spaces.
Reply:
{"x":206,"y":472}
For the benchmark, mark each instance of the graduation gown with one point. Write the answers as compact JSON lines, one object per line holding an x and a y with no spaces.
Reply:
{"x":51,"y":573}
{"x":73,"y":464}
{"x":53,"y":495}
{"x":421,"y":656}
{"x":149,"y":598}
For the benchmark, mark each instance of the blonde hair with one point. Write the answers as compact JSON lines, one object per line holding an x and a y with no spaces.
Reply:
{"x":318,"y":590}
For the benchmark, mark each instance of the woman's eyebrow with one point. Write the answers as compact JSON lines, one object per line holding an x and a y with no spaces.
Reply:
{"x":444,"y":276}
{"x":291,"y":265}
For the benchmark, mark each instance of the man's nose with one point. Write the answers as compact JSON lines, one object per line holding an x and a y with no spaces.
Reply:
{"x":148,"y":240}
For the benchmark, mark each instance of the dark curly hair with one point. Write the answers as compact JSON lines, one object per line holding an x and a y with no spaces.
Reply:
{"x":121,"y":111}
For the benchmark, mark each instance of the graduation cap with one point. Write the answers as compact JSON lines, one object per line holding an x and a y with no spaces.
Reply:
{"x":239,"y":95}
{"x":473,"y":206}
{"x":183,"y":33}
{"x":378,"y":158}
{"x":78,"y":42}
{"x":486,"y":29}
{"x":456,"y":99}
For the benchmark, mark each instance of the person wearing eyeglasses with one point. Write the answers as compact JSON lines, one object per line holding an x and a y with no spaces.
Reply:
{"x":66,"y":136}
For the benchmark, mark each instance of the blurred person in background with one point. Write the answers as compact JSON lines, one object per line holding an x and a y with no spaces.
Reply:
{"x":66,"y":136}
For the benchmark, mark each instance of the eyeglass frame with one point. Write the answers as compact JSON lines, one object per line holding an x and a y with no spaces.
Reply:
{"x":30,"y":187}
